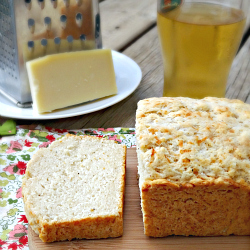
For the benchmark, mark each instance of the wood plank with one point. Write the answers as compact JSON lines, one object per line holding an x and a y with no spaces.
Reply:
{"x":133,"y":237}
{"x":239,"y":77}
{"x":123,"y":21}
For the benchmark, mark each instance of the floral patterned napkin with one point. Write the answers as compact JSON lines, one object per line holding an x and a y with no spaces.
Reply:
{"x":15,"y":152}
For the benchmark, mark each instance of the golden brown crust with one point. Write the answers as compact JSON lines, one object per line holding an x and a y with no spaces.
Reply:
{"x":198,"y":210}
{"x":183,"y":139}
{"x":89,"y":228}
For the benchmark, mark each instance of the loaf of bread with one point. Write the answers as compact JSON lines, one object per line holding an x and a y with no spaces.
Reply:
{"x":194,"y":166}
{"x":75,"y":189}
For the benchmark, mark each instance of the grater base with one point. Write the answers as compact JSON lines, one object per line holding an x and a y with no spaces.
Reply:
{"x":17,"y":103}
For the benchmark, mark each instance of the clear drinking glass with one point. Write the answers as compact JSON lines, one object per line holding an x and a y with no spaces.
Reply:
{"x":199,"y":40}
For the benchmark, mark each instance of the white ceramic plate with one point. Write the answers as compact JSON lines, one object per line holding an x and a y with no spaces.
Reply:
{"x":128,"y":77}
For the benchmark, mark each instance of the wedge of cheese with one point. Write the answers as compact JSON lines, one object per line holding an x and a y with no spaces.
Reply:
{"x":62,"y":80}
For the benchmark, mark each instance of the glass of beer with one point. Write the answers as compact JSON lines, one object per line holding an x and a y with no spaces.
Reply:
{"x":199,"y":40}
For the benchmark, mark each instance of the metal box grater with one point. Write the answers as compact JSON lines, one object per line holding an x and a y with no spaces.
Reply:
{"x":33,"y":28}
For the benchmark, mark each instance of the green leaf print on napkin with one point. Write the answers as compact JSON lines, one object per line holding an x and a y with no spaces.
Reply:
{"x":10,"y":177}
{"x":8,"y":128}
{"x":3,"y":236}
{"x":2,"y":162}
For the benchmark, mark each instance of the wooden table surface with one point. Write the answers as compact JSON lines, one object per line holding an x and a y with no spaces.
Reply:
{"x":130,"y":28}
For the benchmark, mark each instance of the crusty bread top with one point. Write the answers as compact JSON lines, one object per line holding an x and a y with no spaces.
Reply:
{"x":186,"y":140}
{"x":76,"y":177}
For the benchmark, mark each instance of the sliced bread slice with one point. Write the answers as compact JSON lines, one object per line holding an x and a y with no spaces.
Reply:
{"x":75,"y":189}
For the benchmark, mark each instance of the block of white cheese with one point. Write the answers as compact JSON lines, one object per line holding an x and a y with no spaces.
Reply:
{"x":65,"y":79}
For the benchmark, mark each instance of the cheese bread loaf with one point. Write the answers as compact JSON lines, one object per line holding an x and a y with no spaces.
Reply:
{"x":194,"y":166}
{"x":75,"y":189}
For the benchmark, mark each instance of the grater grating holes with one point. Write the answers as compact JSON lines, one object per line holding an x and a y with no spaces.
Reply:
{"x":57,"y":40}
{"x":70,"y":39}
{"x":41,"y":3}
{"x":28,"y":4}
{"x":66,"y":2}
{"x":79,"y":19}
{"x":63,"y":20}
{"x":47,"y":23}
{"x":31,"y":45}
{"x":44,"y":42}
{"x":82,"y":37}
{"x":31,"y":25}
{"x":7,"y":46}
{"x":54,"y":3}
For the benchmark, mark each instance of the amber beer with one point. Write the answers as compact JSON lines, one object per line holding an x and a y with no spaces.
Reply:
{"x":199,"y":42}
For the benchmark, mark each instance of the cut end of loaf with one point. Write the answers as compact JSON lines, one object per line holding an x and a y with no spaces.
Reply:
{"x":75,"y":188}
